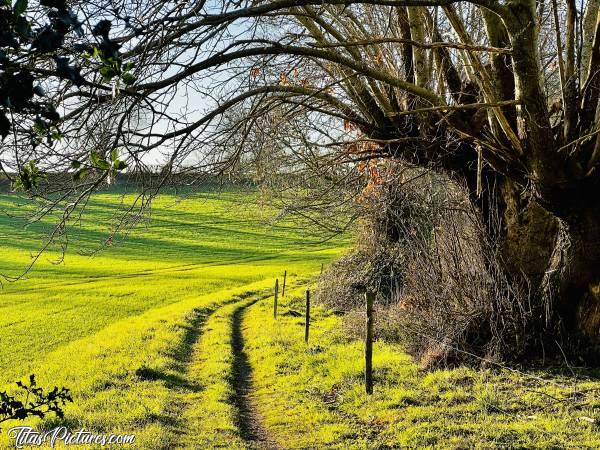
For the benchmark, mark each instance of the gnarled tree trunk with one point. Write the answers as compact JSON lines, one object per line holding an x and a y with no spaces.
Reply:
{"x":574,"y":278}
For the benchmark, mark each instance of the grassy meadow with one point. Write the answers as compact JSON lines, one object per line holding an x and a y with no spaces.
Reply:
{"x":169,"y":335}
{"x":118,"y":328}
{"x":312,"y":396}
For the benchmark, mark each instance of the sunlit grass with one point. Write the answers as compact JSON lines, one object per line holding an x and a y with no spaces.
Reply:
{"x":143,"y":335}
{"x":211,"y":412}
{"x":119,"y":329}
{"x":312,"y":396}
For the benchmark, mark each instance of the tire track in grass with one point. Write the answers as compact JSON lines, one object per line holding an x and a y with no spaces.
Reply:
{"x":133,"y":375}
{"x":248,"y":419}
{"x":203,"y":415}
{"x":296,"y":391}
{"x":221,"y":414}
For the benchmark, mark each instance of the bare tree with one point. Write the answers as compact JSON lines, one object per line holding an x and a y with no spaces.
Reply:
{"x":502,"y":96}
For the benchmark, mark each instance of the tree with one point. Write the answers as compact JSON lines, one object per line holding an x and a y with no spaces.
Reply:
{"x":502,"y":96}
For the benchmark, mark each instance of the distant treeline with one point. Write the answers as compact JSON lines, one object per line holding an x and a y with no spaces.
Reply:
{"x":135,"y":180}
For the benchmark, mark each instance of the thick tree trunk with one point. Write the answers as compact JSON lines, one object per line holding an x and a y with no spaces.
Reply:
{"x":528,"y":237}
{"x":524,"y":232}
{"x":559,"y":260}
{"x":558,"y":263}
{"x":575,"y":273}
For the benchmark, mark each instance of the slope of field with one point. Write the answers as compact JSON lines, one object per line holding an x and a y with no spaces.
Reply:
{"x":119,"y":328}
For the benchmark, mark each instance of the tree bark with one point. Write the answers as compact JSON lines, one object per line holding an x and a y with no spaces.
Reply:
{"x":575,"y":279}
{"x":529,"y":235}
{"x":558,"y":261}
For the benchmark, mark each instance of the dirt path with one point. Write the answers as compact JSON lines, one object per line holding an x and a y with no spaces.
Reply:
{"x":248,"y":419}
{"x":213,"y":405}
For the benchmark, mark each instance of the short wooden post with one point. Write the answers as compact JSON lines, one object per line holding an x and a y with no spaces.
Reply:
{"x":369,"y":297}
{"x":321,"y":268}
{"x":275,"y":299}
{"x":307,"y":321}
{"x":284,"y":279}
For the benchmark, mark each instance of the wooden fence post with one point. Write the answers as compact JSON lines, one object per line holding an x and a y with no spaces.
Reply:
{"x":307,"y":322}
{"x":284,"y":279}
{"x":275,"y":300}
{"x":369,"y":297}
{"x":321,"y":269}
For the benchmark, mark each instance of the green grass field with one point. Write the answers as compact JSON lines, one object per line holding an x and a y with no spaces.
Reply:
{"x":169,"y":335}
{"x":119,"y":328}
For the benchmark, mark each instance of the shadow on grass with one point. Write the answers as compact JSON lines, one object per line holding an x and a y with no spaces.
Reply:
{"x":241,"y":379}
{"x":171,"y":380}
{"x":247,"y":419}
{"x":181,"y":356}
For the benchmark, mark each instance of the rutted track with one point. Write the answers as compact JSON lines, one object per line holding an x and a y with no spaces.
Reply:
{"x":248,"y":419}
{"x":220,"y":413}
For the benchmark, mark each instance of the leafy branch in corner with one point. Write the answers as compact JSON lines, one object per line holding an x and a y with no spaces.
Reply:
{"x":37,"y":402}
{"x":41,"y":43}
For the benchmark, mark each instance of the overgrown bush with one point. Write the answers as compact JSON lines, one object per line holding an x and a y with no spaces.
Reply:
{"x":378,"y":261}
{"x":441,"y":288}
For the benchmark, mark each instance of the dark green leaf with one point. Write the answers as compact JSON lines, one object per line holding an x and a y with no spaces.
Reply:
{"x":39,"y":126}
{"x":39,"y":90}
{"x":120,"y":165}
{"x":5,"y":126}
{"x":58,"y":4}
{"x":129,"y":78}
{"x":107,"y":72}
{"x":23,"y":181}
{"x":51,"y":114}
{"x":67,"y":71}
{"x":48,"y":40}
{"x":102,"y":28}
{"x":22,"y":27}
{"x":20,"y":7}
{"x":98,"y":161}
{"x":80,"y":174}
